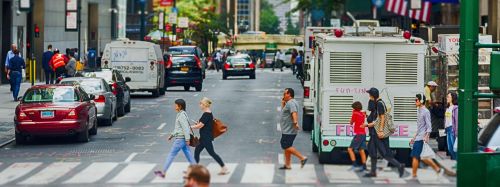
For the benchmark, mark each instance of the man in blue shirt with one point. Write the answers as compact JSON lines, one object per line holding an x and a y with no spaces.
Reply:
{"x":299,"y":60}
{"x":16,"y":65}
{"x":49,"y":73}
{"x":10,"y":54}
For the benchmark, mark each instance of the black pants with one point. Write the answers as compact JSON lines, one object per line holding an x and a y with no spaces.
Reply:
{"x":49,"y":77}
{"x":381,"y":146}
{"x":210,"y":149}
{"x":300,"y":71}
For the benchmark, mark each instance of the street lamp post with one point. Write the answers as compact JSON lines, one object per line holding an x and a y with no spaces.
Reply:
{"x":143,"y":18}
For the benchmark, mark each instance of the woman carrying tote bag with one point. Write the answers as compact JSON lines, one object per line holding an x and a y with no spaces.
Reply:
{"x":206,"y":135}
{"x":181,"y":136}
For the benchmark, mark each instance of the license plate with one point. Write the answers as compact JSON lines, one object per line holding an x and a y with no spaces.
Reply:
{"x":239,"y":67}
{"x":185,"y":69}
{"x":47,"y":114}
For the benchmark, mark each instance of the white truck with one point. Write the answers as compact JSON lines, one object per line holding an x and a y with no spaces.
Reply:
{"x":141,"y":61}
{"x":347,"y":66}
{"x":309,"y":75}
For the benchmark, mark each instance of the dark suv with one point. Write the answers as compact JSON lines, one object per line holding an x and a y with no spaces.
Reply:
{"x":189,"y":50}
{"x":184,"y":70}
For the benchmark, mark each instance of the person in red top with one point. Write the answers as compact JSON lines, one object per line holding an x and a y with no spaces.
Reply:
{"x":58,"y":63}
{"x":358,"y":143}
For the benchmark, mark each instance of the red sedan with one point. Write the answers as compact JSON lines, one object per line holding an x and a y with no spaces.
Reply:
{"x":55,"y":110}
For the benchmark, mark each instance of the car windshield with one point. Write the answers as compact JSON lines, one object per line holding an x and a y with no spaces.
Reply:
{"x":106,"y":75}
{"x":239,"y":59}
{"x":90,"y":85}
{"x":182,"y":59}
{"x":182,"y":50}
{"x":59,"y":94}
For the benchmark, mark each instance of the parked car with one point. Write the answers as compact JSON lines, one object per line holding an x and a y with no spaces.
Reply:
{"x":239,"y":65}
{"x":184,"y":70}
{"x":489,"y":137}
{"x":118,"y":86}
{"x":190,"y":50}
{"x":55,"y":110}
{"x":104,"y":100}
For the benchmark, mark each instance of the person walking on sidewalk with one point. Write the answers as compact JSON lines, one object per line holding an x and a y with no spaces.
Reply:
{"x":10,"y":54}
{"x":14,"y":73}
{"x":451,"y":115}
{"x":197,"y":176}
{"x":421,"y":137}
{"x":289,"y":128}
{"x":49,"y":72}
{"x":181,"y":136}
{"x":358,"y":142}
{"x":378,"y":144}
{"x":206,"y":137}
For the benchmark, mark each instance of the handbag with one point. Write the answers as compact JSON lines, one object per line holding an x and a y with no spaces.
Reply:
{"x":219,"y":128}
{"x":388,"y":128}
{"x":193,"y":139}
{"x":427,"y":152}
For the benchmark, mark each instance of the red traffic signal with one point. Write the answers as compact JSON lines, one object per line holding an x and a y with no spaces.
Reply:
{"x":37,"y":31}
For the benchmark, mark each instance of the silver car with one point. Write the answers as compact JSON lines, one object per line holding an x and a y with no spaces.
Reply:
{"x":105,"y":100}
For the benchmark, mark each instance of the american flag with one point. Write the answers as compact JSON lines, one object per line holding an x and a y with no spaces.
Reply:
{"x":400,"y":7}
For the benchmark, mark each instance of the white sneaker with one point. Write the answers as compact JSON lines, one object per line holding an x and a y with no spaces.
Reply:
{"x":440,"y":174}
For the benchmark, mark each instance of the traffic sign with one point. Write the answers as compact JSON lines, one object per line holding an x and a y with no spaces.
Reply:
{"x":183,"y":22}
{"x":172,"y":18}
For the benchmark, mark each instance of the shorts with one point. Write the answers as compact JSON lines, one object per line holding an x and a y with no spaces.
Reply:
{"x":417,"y":149}
{"x":287,"y":140}
{"x":358,"y":142}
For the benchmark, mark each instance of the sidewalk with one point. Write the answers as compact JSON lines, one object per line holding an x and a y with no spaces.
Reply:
{"x":7,"y":111}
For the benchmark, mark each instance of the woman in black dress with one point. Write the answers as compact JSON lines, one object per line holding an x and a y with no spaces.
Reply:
{"x":205,"y":125}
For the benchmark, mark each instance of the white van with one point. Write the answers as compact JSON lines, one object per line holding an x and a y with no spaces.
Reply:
{"x":141,"y":61}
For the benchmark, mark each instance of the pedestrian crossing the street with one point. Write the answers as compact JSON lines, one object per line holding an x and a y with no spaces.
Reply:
{"x":110,"y":173}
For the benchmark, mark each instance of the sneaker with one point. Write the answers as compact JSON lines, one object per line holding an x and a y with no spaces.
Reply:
{"x":362,"y":168}
{"x":159,"y":174}
{"x":370,"y":175}
{"x":284,"y":168}
{"x":440,"y":173}
{"x":303,"y":162}
{"x":401,"y":170}
{"x":353,"y":168}
{"x":223,"y":171}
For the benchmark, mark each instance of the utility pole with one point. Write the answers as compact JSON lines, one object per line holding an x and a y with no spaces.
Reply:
{"x":79,"y":25}
{"x":174,"y":25}
{"x":143,"y":18}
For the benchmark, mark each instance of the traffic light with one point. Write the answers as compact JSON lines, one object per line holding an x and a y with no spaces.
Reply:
{"x":37,"y":31}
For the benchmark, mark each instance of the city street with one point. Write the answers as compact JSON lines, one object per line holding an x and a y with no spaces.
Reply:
{"x":127,"y":153}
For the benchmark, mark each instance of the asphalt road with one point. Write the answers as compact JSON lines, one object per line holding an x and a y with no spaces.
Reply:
{"x":126,"y":153}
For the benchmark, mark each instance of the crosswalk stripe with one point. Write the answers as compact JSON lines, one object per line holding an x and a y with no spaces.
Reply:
{"x":50,"y":173}
{"x":133,"y":173}
{"x":258,"y":174}
{"x":341,"y":174}
{"x":96,"y":170}
{"x":281,"y":159}
{"x":16,"y":171}
{"x":429,"y":176}
{"x":388,"y":177}
{"x":214,"y":169}
{"x":174,"y":174}
{"x":299,"y":175}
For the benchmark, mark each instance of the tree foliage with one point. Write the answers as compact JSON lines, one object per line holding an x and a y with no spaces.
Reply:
{"x":269,"y":22}
{"x":327,"y":6}
{"x":291,"y":28}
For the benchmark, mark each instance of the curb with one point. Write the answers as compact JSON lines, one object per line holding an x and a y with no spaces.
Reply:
{"x":7,"y":142}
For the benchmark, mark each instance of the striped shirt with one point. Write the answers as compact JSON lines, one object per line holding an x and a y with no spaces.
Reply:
{"x":423,"y":123}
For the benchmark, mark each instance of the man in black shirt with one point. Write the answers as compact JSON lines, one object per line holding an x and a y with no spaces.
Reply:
{"x":14,"y":70}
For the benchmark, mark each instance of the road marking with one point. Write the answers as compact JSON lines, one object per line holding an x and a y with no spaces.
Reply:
{"x":133,"y":173}
{"x":299,"y":175}
{"x":130,"y":157}
{"x":205,"y":157}
{"x":258,"y":173}
{"x":174,"y":174}
{"x":388,"y":177}
{"x":278,"y":127}
{"x":161,"y":126}
{"x":50,"y":173}
{"x":278,"y":109}
{"x":215,"y":169}
{"x":93,"y":173}
{"x":195,"y":95}
{"x":341,"y":174}
{"x":206,"y":90}
{"x":16,"y":171}
{"x":281,"y":159}
{"x":213,"y":85}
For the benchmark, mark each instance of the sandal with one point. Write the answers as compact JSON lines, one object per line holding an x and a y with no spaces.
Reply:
{"x":284,"y":168}
{"x":303,"y":162}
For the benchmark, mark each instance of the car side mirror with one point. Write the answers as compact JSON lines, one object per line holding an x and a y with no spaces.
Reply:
{"x":127,"y":79}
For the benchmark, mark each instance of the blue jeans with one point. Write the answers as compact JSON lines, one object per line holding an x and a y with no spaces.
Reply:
{"x":15,"y":78}
{"x":450,"y":139}
{"x":177,"y":146}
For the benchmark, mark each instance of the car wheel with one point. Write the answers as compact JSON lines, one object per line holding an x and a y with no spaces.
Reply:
{"x":84,"y":135}
{"x":115,"y":117}
{"x":252,"y":76}
{"x":20,"y":139}
{"x":156,"y":93}
{"x":121,"y":110}
{"x":314,"y":147}
{"x":127,"y":106}
{"x":198,"y":87}
{"x":93,"y":130}
{"x":162,"y":91}
{"x":307,"y":122}
{"x":186,"y":88}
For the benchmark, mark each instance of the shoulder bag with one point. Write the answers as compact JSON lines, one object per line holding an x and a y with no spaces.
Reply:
{"x":388,"y":128}
{"x":218,"y":128}
{"x":193,"y":140}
